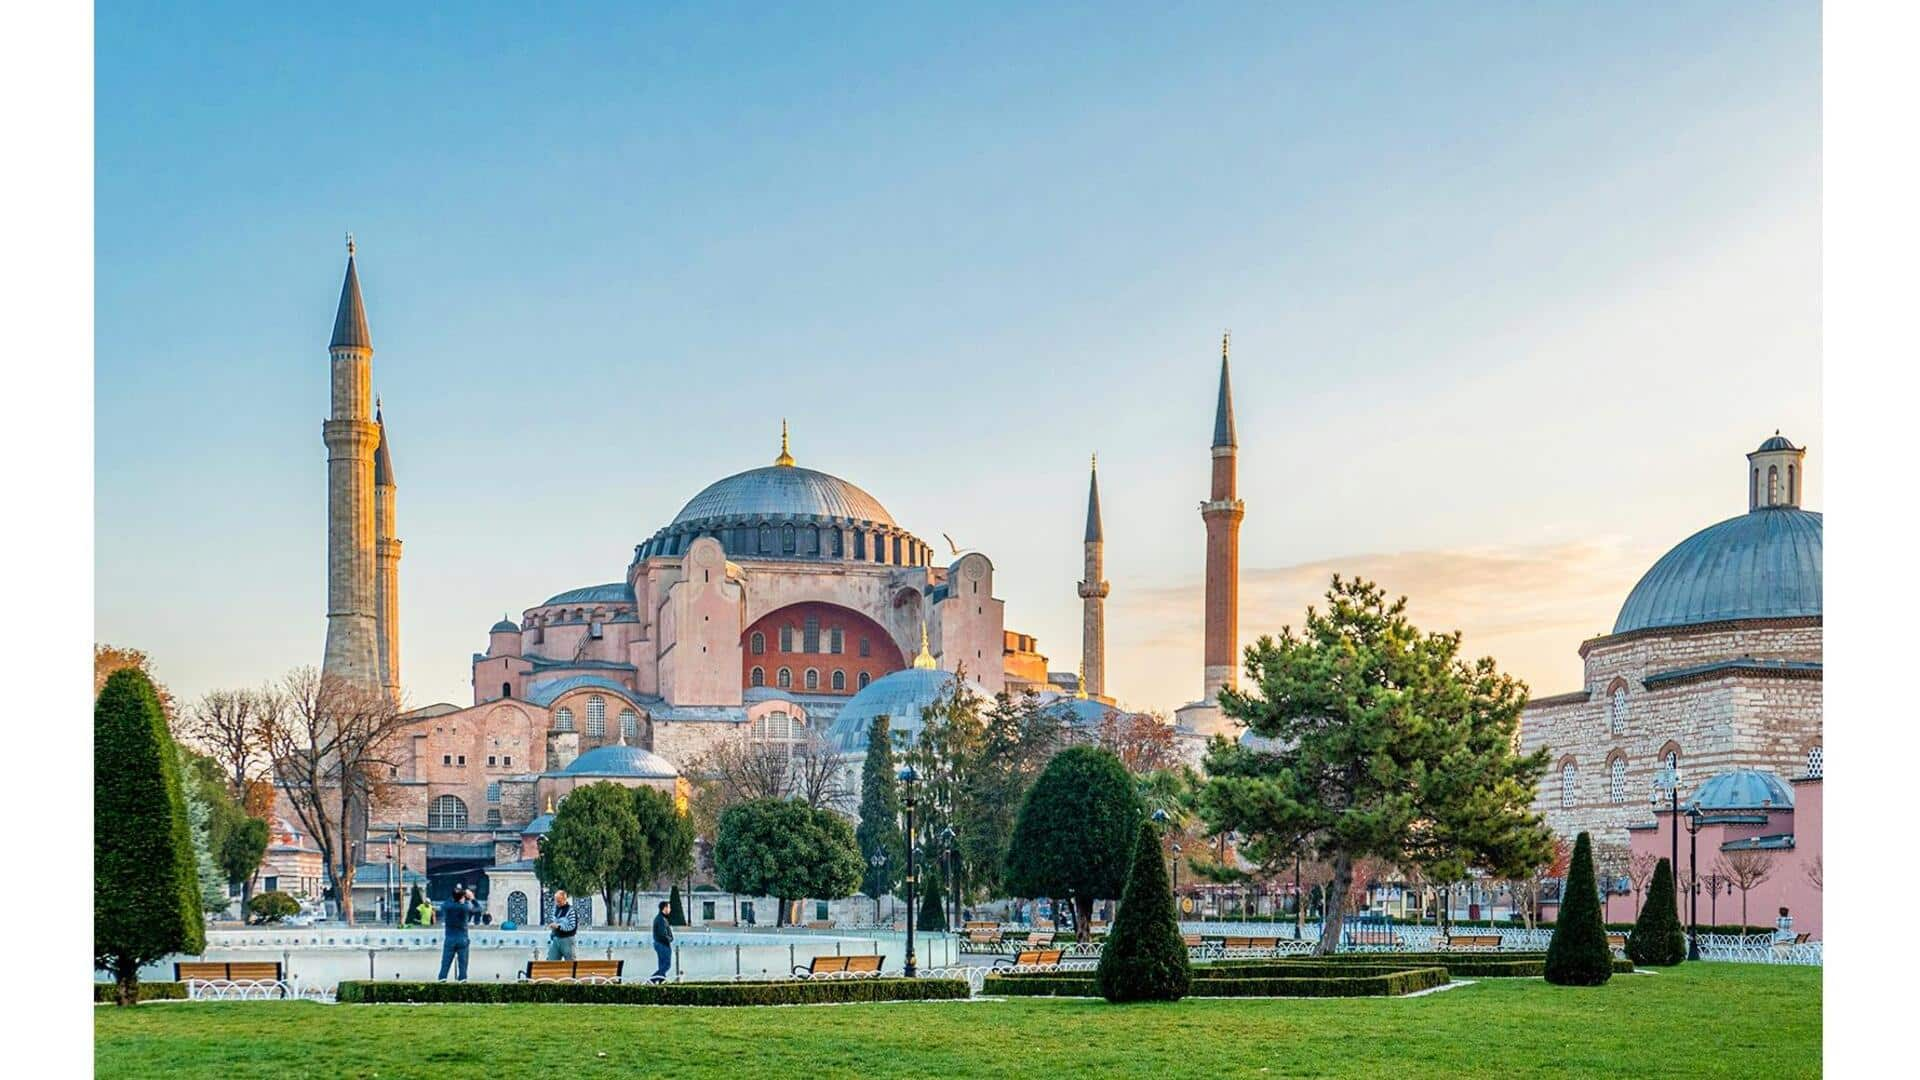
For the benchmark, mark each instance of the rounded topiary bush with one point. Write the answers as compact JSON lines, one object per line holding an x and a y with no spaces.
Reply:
{"x":1579,"y":955}
{"x":271,"y":907}
{"x":1145,"y":958}
{"x":1656,"y":940}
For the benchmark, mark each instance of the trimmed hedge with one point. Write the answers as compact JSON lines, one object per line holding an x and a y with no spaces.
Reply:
{"x":104,"y":992}
{"x":1388,"y":984}
{"x":782,"y":992}
{"x":1463,"y":965}
{"x":1579,"y":954}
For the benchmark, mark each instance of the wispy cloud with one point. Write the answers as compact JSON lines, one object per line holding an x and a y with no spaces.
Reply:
{"x":1527,"y":606}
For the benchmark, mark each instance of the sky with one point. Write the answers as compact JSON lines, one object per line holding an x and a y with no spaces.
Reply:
{"x":1513,"y":289}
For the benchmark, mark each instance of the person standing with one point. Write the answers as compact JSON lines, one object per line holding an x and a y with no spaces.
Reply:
{"x":454,"y":916}
{"x":662,"y":942}
{"x":566,"y":923}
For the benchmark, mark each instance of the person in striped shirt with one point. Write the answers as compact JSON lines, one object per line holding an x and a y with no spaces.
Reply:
{"x":566,"y":923}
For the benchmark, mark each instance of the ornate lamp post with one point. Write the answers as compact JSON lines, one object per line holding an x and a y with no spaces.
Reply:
{"x":907,"y":778}
{"x":1670,"y":779}
{"x":949,"y":866}
{"x":878,"y":860}
{"x":1693,"y":873}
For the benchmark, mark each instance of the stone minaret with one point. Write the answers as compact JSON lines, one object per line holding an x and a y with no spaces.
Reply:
{"x":351,"y":436}
{"x":386,"y":580}
{"x":1093,"y":597}
{"x":1222,"y":512}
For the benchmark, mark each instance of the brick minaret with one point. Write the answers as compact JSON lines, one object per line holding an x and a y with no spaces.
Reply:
{"x":351,"y":437}
{"x":386,"y":581}
{"x":1093,"y":598}
{"x":1222,"y":512}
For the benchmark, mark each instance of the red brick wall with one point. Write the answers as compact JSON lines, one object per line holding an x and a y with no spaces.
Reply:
{"x":885,"y":656}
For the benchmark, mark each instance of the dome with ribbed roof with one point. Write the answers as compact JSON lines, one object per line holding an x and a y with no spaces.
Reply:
{"x":783,"y":490}
{"x":902,"y":697}
{"x":622,"y":760}
{"x":1764,"y":564}
{"x":1743,"y":789}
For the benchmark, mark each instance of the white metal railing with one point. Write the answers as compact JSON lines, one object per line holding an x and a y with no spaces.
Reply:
{"x":255,"y":990}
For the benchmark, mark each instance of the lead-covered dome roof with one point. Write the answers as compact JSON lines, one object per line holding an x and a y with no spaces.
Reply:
{"x":1743,"y":789}
{"x":774,"y":491}
{"x":902,"y":696}
{"x":1765,"y":564}
{"x":621,"y":760}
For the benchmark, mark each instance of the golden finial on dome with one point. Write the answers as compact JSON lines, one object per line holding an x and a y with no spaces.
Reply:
{"x":549,"y":802}
{"x":785,"y":459}
{"x":925,"y":659}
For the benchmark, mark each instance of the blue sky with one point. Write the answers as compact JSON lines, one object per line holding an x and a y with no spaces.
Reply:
{"x":1512,"y":288}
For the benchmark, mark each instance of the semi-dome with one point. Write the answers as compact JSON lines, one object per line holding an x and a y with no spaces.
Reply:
{"x":783,"y":490}
{"x":900,"y":696}
{"x":1764,"y":564}
{"x":620,"y":760}
{"x":1743,"y":789}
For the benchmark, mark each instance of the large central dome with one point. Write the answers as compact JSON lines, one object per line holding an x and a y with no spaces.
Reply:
{"x":775,"y":490}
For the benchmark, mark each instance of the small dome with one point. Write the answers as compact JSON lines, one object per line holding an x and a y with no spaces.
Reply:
{"x":505,"y":626}
{"x":1764,"y":564}
{"x":900,"y":696}
{"x":775,"y":490}
{"x":539,"y":826}
{"x":1743,"y":789}
{"x":619,"y":760}
{"x":1776,"y":443}
{"x":1082,"y":712}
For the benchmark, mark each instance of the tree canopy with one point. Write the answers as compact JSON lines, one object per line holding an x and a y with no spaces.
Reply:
{"x":1075,"y":832}
{"x":146,"y":892}
{"x":586,"y":848}
{"x":786,"y":849}
{"x":1377,"y":740}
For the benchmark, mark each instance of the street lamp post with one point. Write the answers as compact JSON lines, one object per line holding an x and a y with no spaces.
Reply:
{"x":950,"y":858}
{"x":1693,"y":873}
{"x":907,"y":778}
{"x":1670,"y":779}
{"x":877,"y":861}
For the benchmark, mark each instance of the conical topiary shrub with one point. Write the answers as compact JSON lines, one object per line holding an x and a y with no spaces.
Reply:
{"x":1578,"y":955}
{"x":414,"y":900}
{"x":933,"y":908}
{"x":1656,"y":940}
{"x":1145,"y":958}
{"x":676,"y":911}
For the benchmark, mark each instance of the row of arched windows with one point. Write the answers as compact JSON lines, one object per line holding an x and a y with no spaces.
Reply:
{"x":597,"y":719}
{"x":810,"y":638}
{"x":1616,"y":777}
{"x":801,"y":541}
{"x":1773,"y":487}
{"x":810,"y":678}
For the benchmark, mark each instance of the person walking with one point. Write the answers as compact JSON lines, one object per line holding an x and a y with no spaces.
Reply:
{"x":454,"y":916}
{"x":566,"y":923}
{"x":662,"y":942}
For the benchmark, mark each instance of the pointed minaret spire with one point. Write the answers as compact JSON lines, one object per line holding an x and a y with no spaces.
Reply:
{"x":350,"y":320}
{"x":1093,"y":595}
{"x":1223,"y":411}
{"x":785,"y":460}
{"x":383,"y":453}
{"x":1093,"y":501}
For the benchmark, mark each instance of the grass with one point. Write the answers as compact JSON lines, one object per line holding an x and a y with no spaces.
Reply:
{"x":1695,"y":1020}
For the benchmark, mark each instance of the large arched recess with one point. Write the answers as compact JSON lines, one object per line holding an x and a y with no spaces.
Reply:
{"x":882,"y":655}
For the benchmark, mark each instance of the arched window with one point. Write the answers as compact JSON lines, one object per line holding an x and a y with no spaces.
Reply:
{"x":506,"y":689}
{"x":1617,"y":710}
{"x":757,"y":677}
{"x":629,"y":724}
{"x":836,"y":641}
{"x":1568,"y":778}
{"x":1773,"y":485}
{"x":784,"y":679}
{"x":786,"y":639}
{"x":788,"y":539}
{"x":1791,"y":488}
{"x":866,"y":646}
{"x":447,"y":812}
{"x":864,"y":680}
{"x":563,"y":719}
{"x":813,"y":678}
{"x":1816,"y":762}
{"x":759,"y":645}
{"x":1617,"y":780}
{"x":839,"y":680}
{"x":596,"y":715}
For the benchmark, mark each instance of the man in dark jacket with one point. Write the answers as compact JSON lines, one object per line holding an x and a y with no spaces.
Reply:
{"x":454,"y":916}
{"x":662,"y":942}
{"x":566,"y":923}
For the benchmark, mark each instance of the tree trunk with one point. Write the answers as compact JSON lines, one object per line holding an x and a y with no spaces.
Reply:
{"x":1335,"y":905}
{"x":1082,"y":919}
{"x":126,"y":983}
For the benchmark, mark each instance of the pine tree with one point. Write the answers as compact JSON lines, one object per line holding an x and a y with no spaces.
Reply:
{"x":212,"y":880}
{"x":146,"y":890}
{"x":1145,"y":958}
{"x":1656,"y":940}
{"x":676,"y":911}
{"x":879,"y":830}
{"x":1579,"y":955}
{"x":933,"y":907}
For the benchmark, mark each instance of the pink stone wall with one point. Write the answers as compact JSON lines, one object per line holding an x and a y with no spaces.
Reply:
{"x":1788,"y":885}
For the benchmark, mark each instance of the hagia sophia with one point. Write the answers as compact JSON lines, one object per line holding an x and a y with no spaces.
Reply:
{"x":783,"y":603}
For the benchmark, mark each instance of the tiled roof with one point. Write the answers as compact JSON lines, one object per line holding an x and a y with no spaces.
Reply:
{"x":615,"y":592}
{"x":546,"y":693}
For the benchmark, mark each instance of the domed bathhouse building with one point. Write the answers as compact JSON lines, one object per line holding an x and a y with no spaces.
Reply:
{"x":1713,"y":665}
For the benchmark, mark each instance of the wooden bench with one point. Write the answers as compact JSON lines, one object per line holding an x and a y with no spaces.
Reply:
{"x":820,"y":924}
{"x":1193,"y":941}
{"x":1038,"y":940}
{"x":1473,"y":941}
{"x":563,"y":970}
{"x":1617,"y":942}
{"x":985,"y":935}
{"x":237,"y":971}
{"x":1029,"y":958}
{"x":1266,"y":943}
{"x":840,"y":965}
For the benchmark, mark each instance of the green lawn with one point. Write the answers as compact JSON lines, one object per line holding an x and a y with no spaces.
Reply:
{"x":1695,"y":1020}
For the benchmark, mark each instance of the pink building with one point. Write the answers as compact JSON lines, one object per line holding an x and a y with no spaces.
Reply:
{"x":1752,"y":826}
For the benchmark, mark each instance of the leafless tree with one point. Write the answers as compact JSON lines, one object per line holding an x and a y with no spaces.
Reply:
{"x":1746,"y":868}
{"x":1813,"y":873}
{"x":809,"y":768}
{"x":231,"y":727}
{"x":332,"y":754}
{"x":1142,"y":741}
{"x":1640,"y":868}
